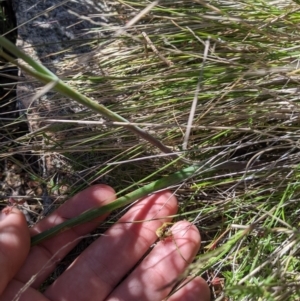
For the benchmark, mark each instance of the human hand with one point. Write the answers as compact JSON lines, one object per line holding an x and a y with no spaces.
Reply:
{"x":104,"y":270}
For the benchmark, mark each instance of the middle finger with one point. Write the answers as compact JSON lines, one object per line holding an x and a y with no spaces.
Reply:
{"x":103,"y":265}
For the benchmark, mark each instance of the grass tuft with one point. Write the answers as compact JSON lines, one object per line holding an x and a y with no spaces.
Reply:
{"x":247,"y":112}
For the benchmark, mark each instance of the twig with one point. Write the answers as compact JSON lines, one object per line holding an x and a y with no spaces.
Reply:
{"x":195,"y":100}
{"x":167,"y":62}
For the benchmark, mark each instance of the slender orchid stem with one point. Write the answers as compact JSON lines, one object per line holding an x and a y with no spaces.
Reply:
{"x":120,"y":202}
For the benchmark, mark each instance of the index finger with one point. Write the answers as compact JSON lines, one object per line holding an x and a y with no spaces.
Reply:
{"x":14,"y":244}
{"x":43,"y":258}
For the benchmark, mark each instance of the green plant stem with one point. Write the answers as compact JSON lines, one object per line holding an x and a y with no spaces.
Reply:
{"x":43,"y":74}
{"x":119,"y":202}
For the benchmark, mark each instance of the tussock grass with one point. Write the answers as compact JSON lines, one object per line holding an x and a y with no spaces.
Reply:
{"x":247,"y":111}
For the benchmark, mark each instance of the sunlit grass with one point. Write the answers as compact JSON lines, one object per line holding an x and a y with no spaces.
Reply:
{"x":248,"y":110}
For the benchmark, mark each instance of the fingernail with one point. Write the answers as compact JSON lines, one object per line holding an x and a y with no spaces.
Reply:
{"x":3,"y":214}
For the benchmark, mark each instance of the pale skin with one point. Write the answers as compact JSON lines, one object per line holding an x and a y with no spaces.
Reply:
{"x":104,"y":269}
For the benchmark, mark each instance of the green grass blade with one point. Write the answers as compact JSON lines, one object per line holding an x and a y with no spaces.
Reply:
{"x":120,"y":202}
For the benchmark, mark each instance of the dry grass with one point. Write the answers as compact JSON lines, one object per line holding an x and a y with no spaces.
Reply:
{"x":248,"y":110}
